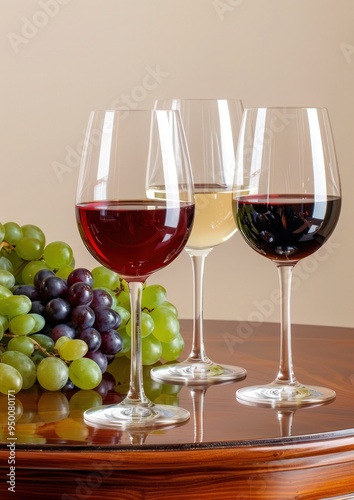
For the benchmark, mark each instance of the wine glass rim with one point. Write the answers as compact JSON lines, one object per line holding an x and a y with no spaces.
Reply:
{"x":250,"y":108}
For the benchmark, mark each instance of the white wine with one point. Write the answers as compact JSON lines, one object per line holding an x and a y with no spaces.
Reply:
{"x":214,"y":222}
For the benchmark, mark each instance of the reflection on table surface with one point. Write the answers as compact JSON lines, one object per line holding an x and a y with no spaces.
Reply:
{"x":325,"y":356}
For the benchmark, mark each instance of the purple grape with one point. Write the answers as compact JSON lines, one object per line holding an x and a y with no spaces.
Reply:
{"x":82,"y":317}
{"x":53,"y":287}
{"x":106,"y":319}
{"x":80,"y":275}
{"x":29,"y":290}
{"x":99,"y":358}
{"x":80,"y":294}
{"x":41,"y":275}
{"x":57,"y":311}
{"x":112,"y":342}
{"x":37,"y":307}
{"x":101,"y":298}
{"x":62,"y":330}
{"x":92,"y":338}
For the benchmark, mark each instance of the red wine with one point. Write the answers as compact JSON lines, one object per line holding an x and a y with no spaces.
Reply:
{"x":134,"y":238}
{"x":286,"y":228}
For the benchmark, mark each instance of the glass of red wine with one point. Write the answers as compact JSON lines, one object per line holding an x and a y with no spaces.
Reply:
{"x":135,"y":210}
{"x":287,"y":201}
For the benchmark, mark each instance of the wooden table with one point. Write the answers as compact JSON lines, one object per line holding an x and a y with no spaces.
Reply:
{"x":227,"y":450}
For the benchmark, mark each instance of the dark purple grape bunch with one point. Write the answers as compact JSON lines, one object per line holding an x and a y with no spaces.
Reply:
{"x":73,"y":308}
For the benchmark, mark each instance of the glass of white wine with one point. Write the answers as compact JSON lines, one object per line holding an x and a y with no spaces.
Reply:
{"x":211,"y":127}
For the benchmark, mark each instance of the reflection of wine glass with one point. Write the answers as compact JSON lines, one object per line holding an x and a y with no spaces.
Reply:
{"x":287,"y":202}
{"x":211,"y":128}
{"x":134,"y":211}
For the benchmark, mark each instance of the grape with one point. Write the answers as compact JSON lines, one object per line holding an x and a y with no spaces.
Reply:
{"x":31,"y":269}
{"x":7,"y":279}
{"x":111,"y":293}
{"x":6,"y":264}
{"x":39,"y":322}
{"x":1,"y":332}
{"x":52,"y":373}
{"x":101,"y":298}
{"x":171,"y":307}
{"x":14,"y":305}
{"x":124,"y":315}
{"x":2,"y":232}
{"x":99,"y":358}
{"x":29,"y":248}
{"x":52,"y":407}
{"x":10,"y":379}
{"x":29,"y":290}
{"x":64,"y":271}
{"x":151,"y":350}
{"x":82,"y":317}
{"x":123,"y":299}
{"x":83,"y":399}
{"x":73,"y":349}
{"x":53,"y":287}
{"x":23,"y":364}
{"x":21,"y":344}
{"x":32,"y":231}
{"x":85,"y":373}
{"x":13,"y":233}
{"x":147,"y":325}
{"x":58,"y":254}
{"x":44,"y":341}
{"x":80,"y":294}
{"x":103,"y":277}
{"x":111,"y":342}
{"x":41,"y":275}
{"x":106,"y":319}
{"x":126,"y":343}
{"x":61,"y":340}
{"x":153,"y":296}
{"x":62,"y":330}
{"x":172,"y":350}
{"x":70,"y":429}
{"x":37,"y":307}
{"x":4,"y":322}
{"x":80,"y":275}
{"x":166,"y":324}
{"x":4,"y":292}
{"x":92,"y":338}
{"x":57,"y":311}
{"x":22,"y":324}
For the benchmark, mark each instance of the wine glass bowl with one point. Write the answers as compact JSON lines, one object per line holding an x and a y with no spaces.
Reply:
{"x":287,"y":201}
{"x":211,"y":127}
{"x":134,"y":211}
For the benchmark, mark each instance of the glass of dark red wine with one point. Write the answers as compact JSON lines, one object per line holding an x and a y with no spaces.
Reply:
{"x":287,"y":202}
{"x":135,"y":210}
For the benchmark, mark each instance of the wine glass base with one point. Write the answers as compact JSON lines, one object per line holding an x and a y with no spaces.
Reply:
{"x":197,"y":373}
{"x":277,"y":395}
{"x":135,"y":416}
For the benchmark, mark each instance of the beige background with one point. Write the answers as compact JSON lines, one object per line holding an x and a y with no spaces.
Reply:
{"x":62,"y":58}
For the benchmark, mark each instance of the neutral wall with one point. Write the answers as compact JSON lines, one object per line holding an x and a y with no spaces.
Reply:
{"x":62,"y":58}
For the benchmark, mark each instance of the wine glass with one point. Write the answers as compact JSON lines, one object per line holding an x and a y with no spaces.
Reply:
{"x":211,"y":127}
{"x":287,"y":201}
{"x":135,"y":210}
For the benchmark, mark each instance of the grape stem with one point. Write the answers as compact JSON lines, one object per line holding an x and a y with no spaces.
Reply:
{"x":37,"y":346}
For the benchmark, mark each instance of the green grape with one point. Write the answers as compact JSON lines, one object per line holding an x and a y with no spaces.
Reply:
{"x":58,"y":254}
{"x":7,"y":279}
{"x":31,"y":269}
{"x":31,"y":231}
{"x":21,"y":344}
{"x":60,"y":342}
{"x":29,"y":248}
{"x":105,"y":278}
{"x":71,"y":429}
{"x":166,"y":324}
{"x":73,"y":349}
{"x":22,"y":324}
{"x":14,"y":305}
{"x":85,"y":373}
{"x":153,"y":296}
{"x":125,"y":316}
{"x":147,"y":325}
{"x":172,"y":350}
{"x":6,"y":264}
{"x":39,"y":322}
{"x":52,"y":406}
{"x":120,"y":369}
{"x":170,"y":306}
{"x":4,"y":292}
{"x":123,"y":299}
{"x":126,"y":343}
{"x":1,"y":331}
{"x":10,"y":379}
{"x":82,"y":400}
{"x":37,"y":357}
{"x":151,"y":350}
{"x":13,"y":233}
{"x":44,"y":341}
{"x":2,"y":233}
{"x":15,"y":260}
{"x":52,"y":373}
{"x":63,"y":272}
{"x":23,"y":364}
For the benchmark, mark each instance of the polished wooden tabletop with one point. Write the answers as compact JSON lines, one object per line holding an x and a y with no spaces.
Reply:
{"x":226,"y":449}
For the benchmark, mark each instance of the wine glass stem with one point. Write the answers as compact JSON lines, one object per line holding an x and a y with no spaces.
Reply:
{"x":198,"y":351}
{"x":136,"y":391}
{"x":286,"y":373}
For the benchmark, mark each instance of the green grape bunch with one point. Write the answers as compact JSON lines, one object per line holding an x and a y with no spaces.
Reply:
{"x":61,"y":326}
